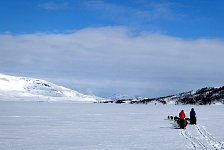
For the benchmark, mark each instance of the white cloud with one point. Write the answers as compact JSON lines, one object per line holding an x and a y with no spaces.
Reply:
{"x":111,"y":59}
{"x":53,"y":5}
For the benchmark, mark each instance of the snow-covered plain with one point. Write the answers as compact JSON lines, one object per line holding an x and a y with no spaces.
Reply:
{"x":89,"y":126}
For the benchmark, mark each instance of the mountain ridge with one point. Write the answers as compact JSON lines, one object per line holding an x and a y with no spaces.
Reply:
{"x":203,"y":96}
{"x":14,"y":88}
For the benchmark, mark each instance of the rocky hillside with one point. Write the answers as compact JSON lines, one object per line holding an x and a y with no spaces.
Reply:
{"x":203,"y":96}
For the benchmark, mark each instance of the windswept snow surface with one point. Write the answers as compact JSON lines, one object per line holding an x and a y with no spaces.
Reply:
{"x":29,"y":89}
{"x":89,"y":126}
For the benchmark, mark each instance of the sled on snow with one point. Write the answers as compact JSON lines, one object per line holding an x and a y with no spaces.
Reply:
{"x":182,"y":123}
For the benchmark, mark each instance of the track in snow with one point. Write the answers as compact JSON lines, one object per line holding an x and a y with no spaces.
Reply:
{"x":210,"y":139}
{"x":203,"y":140}
{"x":196,"y":143}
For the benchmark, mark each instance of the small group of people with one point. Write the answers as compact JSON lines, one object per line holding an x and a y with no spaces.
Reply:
{"x":183,"y":120}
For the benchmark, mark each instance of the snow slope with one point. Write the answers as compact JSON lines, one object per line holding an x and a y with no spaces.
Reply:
{"x":29,"y":89}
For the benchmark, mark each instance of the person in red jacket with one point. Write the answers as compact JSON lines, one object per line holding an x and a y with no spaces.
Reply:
{"x":182,"y":114}
{"x":182,"y":119}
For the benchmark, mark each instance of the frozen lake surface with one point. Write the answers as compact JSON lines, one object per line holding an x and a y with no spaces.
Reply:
{"x":75,"y":126}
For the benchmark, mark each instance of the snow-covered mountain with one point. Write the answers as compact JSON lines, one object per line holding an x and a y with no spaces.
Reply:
{"x":203,"y":96}
{"x":14,"y":88}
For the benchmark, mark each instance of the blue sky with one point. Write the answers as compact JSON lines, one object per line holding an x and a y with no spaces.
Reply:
{"x":185,"y":18}
{"x":143,"y":47}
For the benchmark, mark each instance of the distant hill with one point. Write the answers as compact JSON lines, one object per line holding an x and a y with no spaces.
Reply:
{"x":203,"y":96}
{"x":14,"y":88}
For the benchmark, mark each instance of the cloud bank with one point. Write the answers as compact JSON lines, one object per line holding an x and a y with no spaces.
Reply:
{"x":109,"y":60}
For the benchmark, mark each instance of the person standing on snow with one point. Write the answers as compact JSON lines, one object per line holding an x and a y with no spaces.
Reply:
{"x":192,"y":116}
{"x":182,"y":119}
